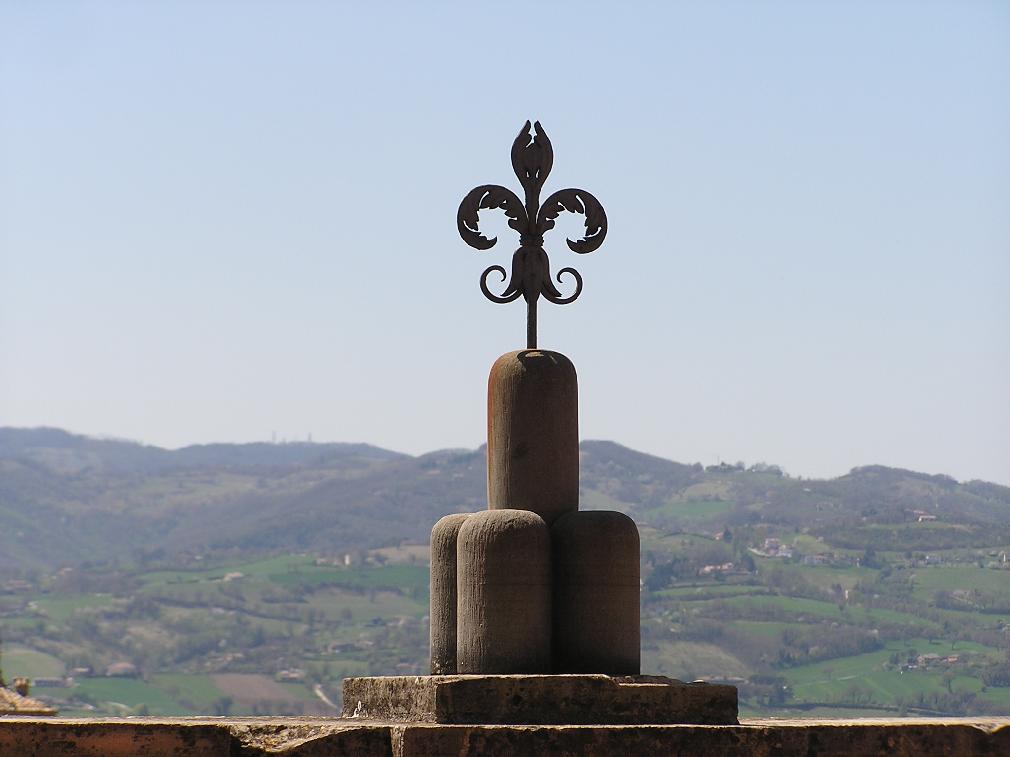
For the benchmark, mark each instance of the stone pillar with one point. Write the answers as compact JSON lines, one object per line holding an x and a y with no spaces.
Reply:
{"x":503,"y":616}
{"x":442,"y":592}
{"x":596,"y":594}
{"x":533,"y":434}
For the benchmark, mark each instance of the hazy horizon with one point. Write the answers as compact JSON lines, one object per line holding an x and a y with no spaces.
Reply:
{"x":308,"y":439}
{"x":220,"y":221}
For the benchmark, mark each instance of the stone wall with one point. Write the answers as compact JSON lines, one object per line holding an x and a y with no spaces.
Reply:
{"x":309,"y":737}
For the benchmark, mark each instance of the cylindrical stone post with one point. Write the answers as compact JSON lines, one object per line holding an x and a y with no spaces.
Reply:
{"x":442,"y":612}
{"x":533,"y":434}
{"x":503,"y":573}
{"x":596,"y":594}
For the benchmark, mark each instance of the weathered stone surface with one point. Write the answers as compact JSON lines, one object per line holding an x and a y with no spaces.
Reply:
{"x":562,"y":699}
{"x":316,"y":737}
{"x":442,"y":593}
{"x":191,"y":737}
{"x":950,"y":737}
{"x":503,"y":611}
{"x":19,"y":703}
{"x":533,"y":434}
{"x":596,"y":594}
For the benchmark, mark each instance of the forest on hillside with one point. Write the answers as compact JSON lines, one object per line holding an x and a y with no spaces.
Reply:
{"x":250,"y":579}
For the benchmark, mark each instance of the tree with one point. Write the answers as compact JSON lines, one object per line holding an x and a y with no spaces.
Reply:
{"x":948,"y":680}
{"x":222,"y":705}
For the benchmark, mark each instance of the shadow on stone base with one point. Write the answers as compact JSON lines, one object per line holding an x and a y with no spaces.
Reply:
{"x":539,"y":700}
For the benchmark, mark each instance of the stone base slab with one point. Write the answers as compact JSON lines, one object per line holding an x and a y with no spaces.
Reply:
{"x":539,"y":700}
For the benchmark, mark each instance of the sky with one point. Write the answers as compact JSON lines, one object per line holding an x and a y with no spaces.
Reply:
{"x":228,"y":221}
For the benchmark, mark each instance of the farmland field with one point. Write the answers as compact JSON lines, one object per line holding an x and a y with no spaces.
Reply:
{"x":369,"y":619}
{"x":244,"y":579}
{"x":120,"y":695}
{"x":246,"y":690}
{"x":31,"y":662}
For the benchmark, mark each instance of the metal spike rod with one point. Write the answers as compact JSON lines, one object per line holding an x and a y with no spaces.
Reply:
{"x":532,"y":159}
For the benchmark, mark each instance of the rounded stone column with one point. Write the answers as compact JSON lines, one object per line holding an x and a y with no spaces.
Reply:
{"x":596,"y":594}
{"x":503,"y":612}
{"x":442,"y":585}
{"x":533,"y":434}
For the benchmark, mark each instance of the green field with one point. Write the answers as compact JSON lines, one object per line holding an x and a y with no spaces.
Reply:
{"x":931,"y":579}
{"x":257,"y":568}
{"x":822,"y":576}
{"x":805,"y":610}
{"x":762,"y":629}
{"x":337,"y":603}
{"x":403,"y":577}
{"x":129,"y":694}
{"x":591,"y":499}
{"x":688,"y":660}
{"x":300,"y":692}
{"x":829,"y":681}
{"x":61,"y":608}
{"x":692,"y":509}
{"x":282,"y":612}
{"x":22,"y":661}
{"x":197,"y":692}
{"x":184,"y":627}
{"x":709,"y":589}
{"x":999,"y":696}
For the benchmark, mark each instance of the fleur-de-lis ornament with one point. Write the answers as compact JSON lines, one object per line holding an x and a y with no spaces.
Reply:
{"x":532,"y":159}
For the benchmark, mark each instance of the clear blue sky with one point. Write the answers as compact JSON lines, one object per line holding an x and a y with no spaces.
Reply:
{"x":220,"y":220}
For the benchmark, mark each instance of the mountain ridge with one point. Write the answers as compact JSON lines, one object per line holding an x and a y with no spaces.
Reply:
{"x":67,"y":499}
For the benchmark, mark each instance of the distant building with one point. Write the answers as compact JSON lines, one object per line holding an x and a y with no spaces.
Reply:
{"x":121,"y":670}
{"x":725,"y":468}
{"x":774,"y":548}
{"x":708,"y":570}
{"x":49,"y":681}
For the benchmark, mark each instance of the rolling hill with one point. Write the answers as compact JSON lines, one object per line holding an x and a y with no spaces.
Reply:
{"x":69,"y":500}
{"x":251,"y":578}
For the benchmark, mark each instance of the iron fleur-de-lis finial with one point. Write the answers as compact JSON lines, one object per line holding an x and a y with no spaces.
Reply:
{"x":532,"y":159}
